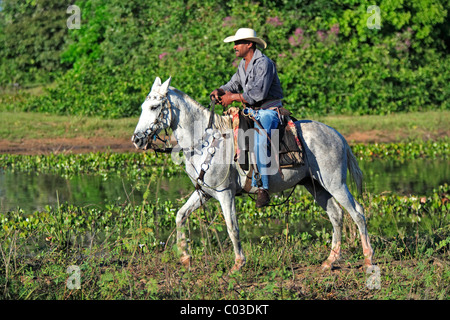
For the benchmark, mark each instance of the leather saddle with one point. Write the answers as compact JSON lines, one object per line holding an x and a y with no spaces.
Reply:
{"x":290,"y":153}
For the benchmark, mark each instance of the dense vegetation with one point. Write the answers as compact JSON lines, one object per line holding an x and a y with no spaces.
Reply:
{"x":147,"y":165}
{"x":328,"y":58}
{"x":127,"y":251}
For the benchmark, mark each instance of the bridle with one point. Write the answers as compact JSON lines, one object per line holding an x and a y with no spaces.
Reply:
{"x":152,"y":133}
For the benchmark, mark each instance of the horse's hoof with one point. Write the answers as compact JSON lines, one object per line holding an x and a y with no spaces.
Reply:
{"x":238,"y":264}
{"x":186,"y":261}
{"x":326,"y":266}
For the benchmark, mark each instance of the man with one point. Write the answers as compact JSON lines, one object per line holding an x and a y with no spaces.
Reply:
{"x":257,"y":79}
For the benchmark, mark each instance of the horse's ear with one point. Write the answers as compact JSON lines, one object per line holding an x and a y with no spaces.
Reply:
{"x":156,"y":84}
{"x":165,"y":87}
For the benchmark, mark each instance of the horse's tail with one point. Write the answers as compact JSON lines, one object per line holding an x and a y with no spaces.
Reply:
{"x":353,"y":167}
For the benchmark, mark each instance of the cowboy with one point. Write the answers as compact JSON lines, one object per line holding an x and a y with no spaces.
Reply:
{"x":257,"y":79}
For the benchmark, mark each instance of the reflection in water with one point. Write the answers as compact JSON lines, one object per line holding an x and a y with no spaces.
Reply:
{"x":417,"y":177}
{"x":33,"y":192}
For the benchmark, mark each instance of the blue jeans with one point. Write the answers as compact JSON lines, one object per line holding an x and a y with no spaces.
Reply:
{"x":269,"y":120}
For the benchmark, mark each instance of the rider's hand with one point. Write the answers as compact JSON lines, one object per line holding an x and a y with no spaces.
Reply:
{"x":227,"y":99}
{"x":217,"y":94}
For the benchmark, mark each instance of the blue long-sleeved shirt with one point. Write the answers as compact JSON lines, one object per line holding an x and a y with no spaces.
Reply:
{"x":260,"y":81}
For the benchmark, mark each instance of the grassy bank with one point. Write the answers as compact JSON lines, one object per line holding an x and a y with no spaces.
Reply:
{"x":29,"y":125}
{"x":401,"y":127}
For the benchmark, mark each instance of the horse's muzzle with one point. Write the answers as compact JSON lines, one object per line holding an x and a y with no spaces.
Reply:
{"x":140,"y":140}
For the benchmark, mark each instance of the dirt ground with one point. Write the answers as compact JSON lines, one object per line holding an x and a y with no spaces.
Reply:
{"x":83,"y":145}
{"x":65,"y":145}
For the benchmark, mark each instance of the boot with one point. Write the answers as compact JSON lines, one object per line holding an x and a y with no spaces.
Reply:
{"x":263,"y":198}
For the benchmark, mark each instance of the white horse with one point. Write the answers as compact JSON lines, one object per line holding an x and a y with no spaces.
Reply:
{"x":324,"y":175}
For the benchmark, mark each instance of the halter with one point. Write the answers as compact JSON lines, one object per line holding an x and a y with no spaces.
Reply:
{"x":158,"y":125}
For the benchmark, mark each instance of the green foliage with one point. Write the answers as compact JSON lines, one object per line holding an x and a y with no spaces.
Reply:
{"x":404,"y":151}
{"x":145,"y":165}
{"x":123,"y":252}
{"x":100,"y":163}
{"x":329,"y":61}
{"x":32,"y":37}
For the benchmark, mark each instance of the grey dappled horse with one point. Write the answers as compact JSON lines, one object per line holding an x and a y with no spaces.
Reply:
{"x":324,"y":175}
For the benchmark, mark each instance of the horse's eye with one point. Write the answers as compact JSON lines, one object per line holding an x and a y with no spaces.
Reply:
{"x":154,"y":107}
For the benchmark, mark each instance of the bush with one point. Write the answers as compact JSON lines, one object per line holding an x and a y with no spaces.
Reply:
{"x":328,"y":60}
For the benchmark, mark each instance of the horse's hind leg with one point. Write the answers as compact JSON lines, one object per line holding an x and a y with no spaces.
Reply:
{"x":194,"y":202}
{"x":345,"y":198}
{"x":335,"y":212}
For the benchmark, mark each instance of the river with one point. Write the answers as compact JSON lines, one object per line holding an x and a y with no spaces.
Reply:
{"x":33,"y":191}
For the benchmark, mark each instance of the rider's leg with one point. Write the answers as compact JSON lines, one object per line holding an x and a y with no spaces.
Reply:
{"x":268,"y":119}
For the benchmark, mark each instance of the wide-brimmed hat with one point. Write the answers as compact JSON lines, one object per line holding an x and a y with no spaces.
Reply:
{"x":247,"y":34}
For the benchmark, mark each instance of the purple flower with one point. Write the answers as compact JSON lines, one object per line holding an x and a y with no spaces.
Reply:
{"x":162,"y":55}
{"x":227,"y":21}
{"x":293,"y":41}
{"x":274,"y":21}
{"x":298,"y":31}
{"x":334,"y":29}
{"x":297,"y":38}
{"x":321,"y":35}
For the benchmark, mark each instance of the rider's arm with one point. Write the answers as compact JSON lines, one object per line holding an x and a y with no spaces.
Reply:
{"x":234,"y":85}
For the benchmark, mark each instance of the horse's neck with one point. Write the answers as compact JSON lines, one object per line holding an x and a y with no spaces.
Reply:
{"x":190,"y":121}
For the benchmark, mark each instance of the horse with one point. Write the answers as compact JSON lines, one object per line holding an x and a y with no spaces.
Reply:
{"x":324,"y":174}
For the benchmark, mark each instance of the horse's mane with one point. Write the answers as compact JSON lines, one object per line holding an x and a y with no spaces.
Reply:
{"x":221,"y":123}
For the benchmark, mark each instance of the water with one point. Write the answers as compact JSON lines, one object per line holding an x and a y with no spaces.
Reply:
{"x":417,"y":177}
{"x":32,"y":191}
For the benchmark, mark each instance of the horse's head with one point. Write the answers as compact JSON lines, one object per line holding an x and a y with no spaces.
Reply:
{"x":155,"y":115}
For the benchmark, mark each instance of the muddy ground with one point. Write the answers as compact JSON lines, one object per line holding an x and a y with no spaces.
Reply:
{"x":83,"y":145}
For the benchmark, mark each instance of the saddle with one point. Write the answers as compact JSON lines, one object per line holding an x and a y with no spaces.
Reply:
{"x":290,"y":153}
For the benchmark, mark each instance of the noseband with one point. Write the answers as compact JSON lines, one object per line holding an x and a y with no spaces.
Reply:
{"x":152,"y":132}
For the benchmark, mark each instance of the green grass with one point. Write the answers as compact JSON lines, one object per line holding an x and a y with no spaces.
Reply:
{"x":129,"y":252}
{"x":396,"y":127}
{"x":21,"y":125}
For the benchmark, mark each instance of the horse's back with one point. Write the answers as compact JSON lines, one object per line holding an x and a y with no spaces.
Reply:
{"x":320,"y":133}
{"x":325,"y":147}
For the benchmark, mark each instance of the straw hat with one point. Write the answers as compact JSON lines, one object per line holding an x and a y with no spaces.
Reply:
{"x":246,"y":34}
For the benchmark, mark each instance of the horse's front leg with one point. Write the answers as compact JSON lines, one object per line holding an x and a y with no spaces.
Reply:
{"x":194,"y":202}
{"x":227,"y":202}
